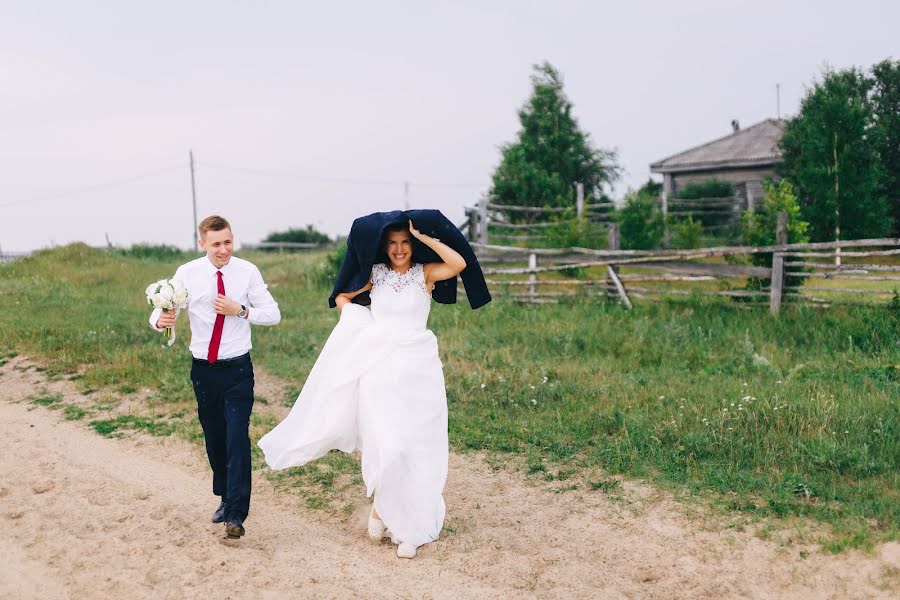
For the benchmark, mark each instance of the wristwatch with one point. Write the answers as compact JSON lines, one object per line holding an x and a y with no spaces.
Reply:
{"x":243,"y":313}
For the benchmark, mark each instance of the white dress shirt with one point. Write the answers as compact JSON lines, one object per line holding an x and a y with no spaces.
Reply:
{"x":243,"y":284}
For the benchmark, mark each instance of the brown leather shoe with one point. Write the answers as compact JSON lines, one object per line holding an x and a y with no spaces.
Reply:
{"x":234,"y":528}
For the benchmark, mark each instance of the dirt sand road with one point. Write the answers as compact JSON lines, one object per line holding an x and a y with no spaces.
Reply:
{"x":89,"y":517}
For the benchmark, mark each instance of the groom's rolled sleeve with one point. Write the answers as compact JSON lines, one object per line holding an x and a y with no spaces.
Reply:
{"x":263,"y":308}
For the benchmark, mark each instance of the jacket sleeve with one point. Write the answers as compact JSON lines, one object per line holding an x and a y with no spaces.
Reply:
{"x":349,"y":268}
{"x":473,"y":278}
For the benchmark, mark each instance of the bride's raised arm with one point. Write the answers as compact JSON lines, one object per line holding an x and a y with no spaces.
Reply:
{"x":341,"y":299}
{"x":453,"y":262}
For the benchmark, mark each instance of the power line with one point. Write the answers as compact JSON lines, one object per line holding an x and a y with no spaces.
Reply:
{"x":263,"y":172}
{"x":346,"y":180}
{"x":93,"y":188}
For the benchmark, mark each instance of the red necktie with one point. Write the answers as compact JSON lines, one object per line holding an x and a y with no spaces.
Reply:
{"x":213,"y":352}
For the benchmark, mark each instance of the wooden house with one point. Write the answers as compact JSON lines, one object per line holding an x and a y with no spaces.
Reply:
{"x":744,"y":158}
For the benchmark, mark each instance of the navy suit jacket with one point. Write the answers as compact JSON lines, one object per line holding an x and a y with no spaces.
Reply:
{"x":364,"y":248}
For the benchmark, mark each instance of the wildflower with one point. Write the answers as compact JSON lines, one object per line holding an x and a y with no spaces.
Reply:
{"x":731,"y":429}
{"x":760,"y":361}
{"x":724,"y":410}
{"x":483,"y":385}
{"x":846,"y":432}
{"x":544,"y":380}
{"x":779,"y":381}
{"x":745,"y":398}
{"x":744,"y":384}
{"x":533,"y":402}
{"x":662,"y":397}
{"x":530,"y":387}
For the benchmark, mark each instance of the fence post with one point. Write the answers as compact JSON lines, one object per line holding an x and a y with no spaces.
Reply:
{"x":473,"y":224}
{"x":482,"y":236}
{"x":776,"y":292}
{"x":613,"y":242}
{"x":664,"y":206}
{"x":532,"y":278}
{"x":579,"y":199}
{"x":781,"y":232}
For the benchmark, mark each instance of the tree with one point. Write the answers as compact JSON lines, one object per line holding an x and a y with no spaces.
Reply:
{"x":830,"y":156}
{"x":886,"y":107}
{"x":760,"y":227}
{"x":551,"y":153}
{"x":308,"y":235}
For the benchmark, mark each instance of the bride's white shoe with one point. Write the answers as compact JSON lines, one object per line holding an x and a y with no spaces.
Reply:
{"x":376,"y":526}
{"x":405,"y":550}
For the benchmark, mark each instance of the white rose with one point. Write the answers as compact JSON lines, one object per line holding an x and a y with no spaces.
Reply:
{"x":151,"y":290}
{"x":159,"y":301}
{"x":177,"y":284}
{"x":166,"y":292}
{"x":180,"y":297}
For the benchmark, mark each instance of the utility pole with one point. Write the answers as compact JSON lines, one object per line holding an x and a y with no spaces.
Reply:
{"x":194,"y":199}
{"x":778,"y":100}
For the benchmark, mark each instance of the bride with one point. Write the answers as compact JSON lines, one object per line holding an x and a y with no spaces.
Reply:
{"x":378,"y":386}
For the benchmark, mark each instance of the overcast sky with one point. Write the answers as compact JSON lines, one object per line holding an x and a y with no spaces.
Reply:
{"x":314,"y":112}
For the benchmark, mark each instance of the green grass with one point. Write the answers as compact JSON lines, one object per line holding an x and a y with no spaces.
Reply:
{"x":114,"y":427}
{"x":74,"y":413}
{"x":48,"y":400}
{"x":787,"y":417}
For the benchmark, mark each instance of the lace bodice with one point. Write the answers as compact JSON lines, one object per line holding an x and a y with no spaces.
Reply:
{"x":400,"y":299}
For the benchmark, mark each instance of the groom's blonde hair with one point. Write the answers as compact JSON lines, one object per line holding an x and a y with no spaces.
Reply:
{"x":213,"y":223}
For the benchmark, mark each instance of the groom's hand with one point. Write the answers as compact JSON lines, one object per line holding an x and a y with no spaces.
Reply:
{"x":166,"y":319}
{"x":226,"y":306}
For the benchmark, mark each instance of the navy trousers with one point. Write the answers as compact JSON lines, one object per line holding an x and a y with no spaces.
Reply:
{"x":224,"y":392}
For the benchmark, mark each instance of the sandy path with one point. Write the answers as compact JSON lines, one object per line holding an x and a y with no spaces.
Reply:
{"x":89,"y":517}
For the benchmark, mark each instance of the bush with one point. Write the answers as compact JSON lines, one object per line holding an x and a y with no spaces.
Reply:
{"x":575,"y":232}
{"x":760,"y":227}
{"x":686,"y":233}
{"x":160,"y":252}
{"x":711,"y":188}
{"x":640,"y":221}
{"x":326,"y":272}
{"x":309,"y":235}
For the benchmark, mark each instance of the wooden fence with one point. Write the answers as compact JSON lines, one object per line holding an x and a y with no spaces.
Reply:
{"x":793,"y":273}
{"x":6,"y":256}
{"x":488,"y":221}
{"x":713,"y":214}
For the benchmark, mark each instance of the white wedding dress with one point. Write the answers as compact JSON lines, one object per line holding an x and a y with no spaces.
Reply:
{"x":378,"y":386}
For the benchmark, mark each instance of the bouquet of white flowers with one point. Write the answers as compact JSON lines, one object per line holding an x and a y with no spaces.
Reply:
{"x":168,"y":294}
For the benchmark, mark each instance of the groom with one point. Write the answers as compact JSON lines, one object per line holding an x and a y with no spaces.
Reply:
{"x":227,"y":294}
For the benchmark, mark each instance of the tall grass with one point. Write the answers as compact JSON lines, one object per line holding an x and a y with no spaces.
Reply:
{"x":790,"y":416}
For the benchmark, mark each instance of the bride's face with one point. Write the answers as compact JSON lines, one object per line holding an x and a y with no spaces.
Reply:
{"x":399,"y":249}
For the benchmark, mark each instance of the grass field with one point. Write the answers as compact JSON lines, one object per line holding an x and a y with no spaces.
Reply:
{"x":787,"y":417}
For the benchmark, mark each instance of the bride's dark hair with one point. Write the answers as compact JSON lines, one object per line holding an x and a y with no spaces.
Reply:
{"x":382,"y":246}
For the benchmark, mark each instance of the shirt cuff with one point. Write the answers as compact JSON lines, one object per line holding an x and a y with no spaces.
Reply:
{"x":154,"y":317}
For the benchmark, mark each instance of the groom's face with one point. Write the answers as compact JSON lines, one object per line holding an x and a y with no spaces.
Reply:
{"x":218,"y":246}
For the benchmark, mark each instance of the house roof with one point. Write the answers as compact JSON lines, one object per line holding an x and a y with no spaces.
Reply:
{"x":754,"y":146}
